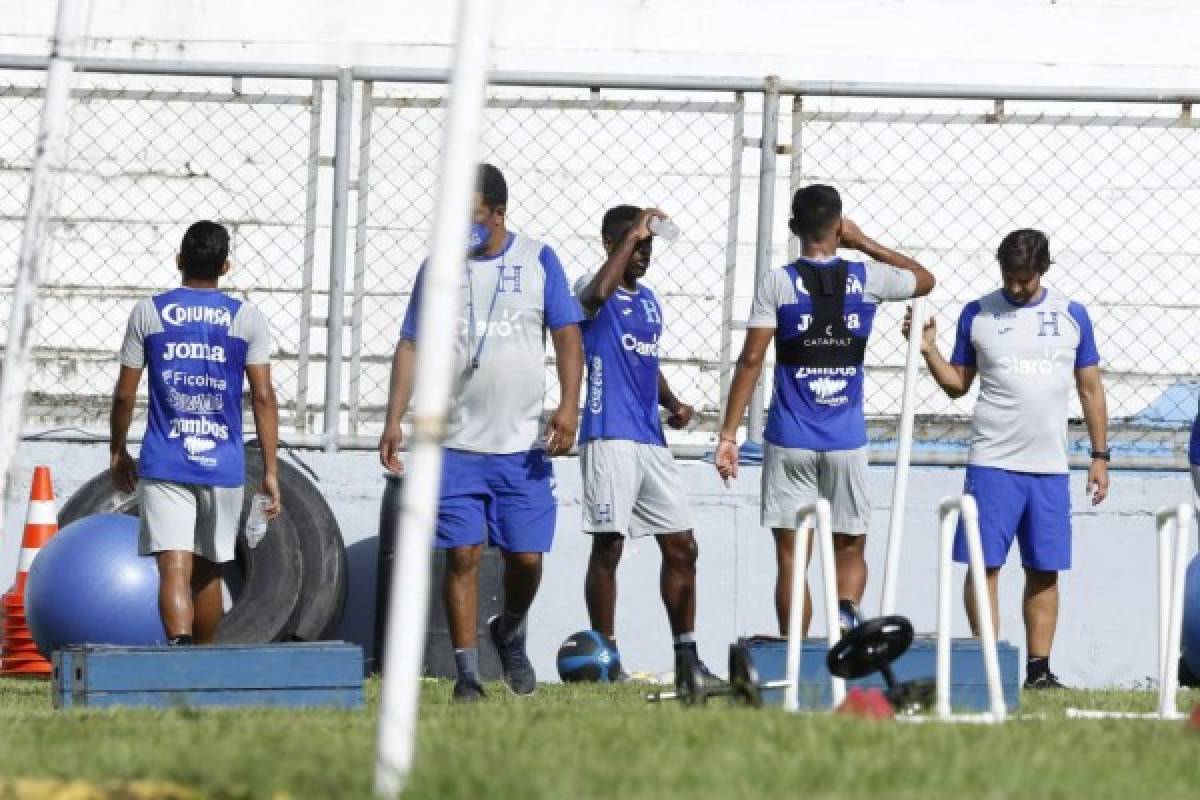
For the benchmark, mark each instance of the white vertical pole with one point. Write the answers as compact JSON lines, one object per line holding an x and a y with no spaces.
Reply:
{"x":946,"y":515}
{"x":70,"y":29}
{"x":1166,"y":522}
{"x":1169,"y":687}
{"x":791,"y":692}
{"x":435,"y":365}
{"x":837,"y":685}
{"x":891,"y":565}
{"x":983,"y":607}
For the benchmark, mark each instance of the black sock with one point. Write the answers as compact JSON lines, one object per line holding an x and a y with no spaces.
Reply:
{"x":686,"y":647}
{"x":512,"y":624}
{"x":466,"y":660}
{"x":182,"y":640}
{"x":1036,"y":667}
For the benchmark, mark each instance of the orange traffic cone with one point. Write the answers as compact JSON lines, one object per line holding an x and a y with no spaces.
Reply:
{"x":19,"y":655}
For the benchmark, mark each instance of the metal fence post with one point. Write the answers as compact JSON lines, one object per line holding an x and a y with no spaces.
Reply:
{"x":311,"y":193}
{"x":337,"y":258}
{"x":796,"y":173}
{"x":766,"y":220}
{"x":361,"y":198}
{"x":731,"y":246}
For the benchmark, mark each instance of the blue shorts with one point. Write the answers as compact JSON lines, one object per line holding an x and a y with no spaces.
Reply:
{"x":1033,"y":508}
{"x":506,"y":500}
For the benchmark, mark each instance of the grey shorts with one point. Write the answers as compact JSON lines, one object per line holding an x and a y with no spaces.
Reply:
{"x":792,"y":477}
{"x":632,"y":488}
{"x":191,"y":517}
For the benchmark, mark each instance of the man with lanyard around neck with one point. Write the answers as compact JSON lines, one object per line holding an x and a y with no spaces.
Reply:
{"x":497,"y":481}
{"x":1029,"y":344}
{"x":197,"y":343}
{"x":819,"y":310}
{"x":631,"y":485}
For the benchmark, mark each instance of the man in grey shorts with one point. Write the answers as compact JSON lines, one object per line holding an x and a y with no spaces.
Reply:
{"x":197,"y":343}
{"x":819,"y":310}
{"x":631,"y":485}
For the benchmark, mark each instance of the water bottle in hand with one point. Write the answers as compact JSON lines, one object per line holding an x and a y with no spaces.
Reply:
{"x":122,"y":501}
{"x":663,"y":228}
{"x":256,"y":522}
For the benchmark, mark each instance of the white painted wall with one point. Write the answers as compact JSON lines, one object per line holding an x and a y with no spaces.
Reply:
{"x":1107,"y":629}
{"x":1104,"y":42}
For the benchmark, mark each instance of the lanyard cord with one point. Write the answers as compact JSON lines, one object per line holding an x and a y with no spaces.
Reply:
{"x":487,"y":328}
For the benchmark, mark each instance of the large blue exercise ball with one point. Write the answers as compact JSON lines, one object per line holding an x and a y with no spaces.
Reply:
{"x":1191,"y":617}
{"x":88,"y":585}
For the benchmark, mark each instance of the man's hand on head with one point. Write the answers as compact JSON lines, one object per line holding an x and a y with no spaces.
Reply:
{"x":640,"y":230}
{"x":850,"y":235}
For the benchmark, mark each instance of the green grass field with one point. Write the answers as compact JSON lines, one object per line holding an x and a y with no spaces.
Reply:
{"x":597,"y":742}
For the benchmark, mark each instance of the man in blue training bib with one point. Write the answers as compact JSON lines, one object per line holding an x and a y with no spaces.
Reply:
{"x":197,"y":344}
{"x":497,"y":482}
{"x":631,"y":485}
{"x":819,"y":310}
{"x":1029,"y":344}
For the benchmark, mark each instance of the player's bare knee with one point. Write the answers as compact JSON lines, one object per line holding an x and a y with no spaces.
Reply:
{"x":462,"y":561}
{"x":849,"y":545}
{"x":1041,"y":579}
{"x":606,"y":551}
{"x":680,"y":551}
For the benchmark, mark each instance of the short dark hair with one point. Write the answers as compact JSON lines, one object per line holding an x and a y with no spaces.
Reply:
{"x":490,"y":183}
{"x":616,"y":218}
{"x":204,"y":250}
{"x":815,"y":208}
{"x":1024,"y":249}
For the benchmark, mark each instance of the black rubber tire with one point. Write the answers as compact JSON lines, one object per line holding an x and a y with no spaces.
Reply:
{"x":293,"y":584}
{"x":322,"y":551}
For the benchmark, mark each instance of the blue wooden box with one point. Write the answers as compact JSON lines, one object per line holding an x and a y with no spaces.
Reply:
{"x":291,"y":675}
{"x":968,"y":680}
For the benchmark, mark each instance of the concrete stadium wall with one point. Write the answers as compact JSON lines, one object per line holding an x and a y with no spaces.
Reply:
{"x":1063,"y":42}
{"x":1107,"y":630}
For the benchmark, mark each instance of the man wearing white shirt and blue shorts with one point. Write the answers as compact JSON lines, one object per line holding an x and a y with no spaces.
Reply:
{"x":1029,"y":344}
{"x":497,"y":482}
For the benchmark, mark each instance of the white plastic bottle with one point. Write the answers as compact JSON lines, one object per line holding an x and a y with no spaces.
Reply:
{"x":122,"y":501}
{"x":256,"y":521}
{"x":663,"y":228}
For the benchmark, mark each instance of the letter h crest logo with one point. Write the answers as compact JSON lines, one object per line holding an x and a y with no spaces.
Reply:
{"x":1047,"y":323}
{"x":509,"y":279}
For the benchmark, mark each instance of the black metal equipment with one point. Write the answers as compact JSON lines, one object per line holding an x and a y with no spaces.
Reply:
{"x":869,"y":647}
{"x":872,"y":647}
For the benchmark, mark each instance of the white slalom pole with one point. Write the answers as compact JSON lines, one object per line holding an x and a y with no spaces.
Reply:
{"x":435,"y":363}
{"x":70,"y":29}
{"x":947,"y":515}
{"x":1165,"y":522}
{"x":983,"y":607}
{"x":791,"y":692}
{"x":891,"y":565}
{"x":1169,"y":688}
{"x":837,"y":686}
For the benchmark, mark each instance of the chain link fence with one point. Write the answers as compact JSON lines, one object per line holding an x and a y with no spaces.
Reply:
{"x":567,"y":157}
{"x":145,"y":159}
{"x":1114,"y":186}
{"x":1117,"y":190}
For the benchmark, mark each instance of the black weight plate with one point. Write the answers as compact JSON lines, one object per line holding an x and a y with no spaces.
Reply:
{"x":867,"y":647}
